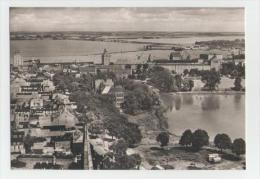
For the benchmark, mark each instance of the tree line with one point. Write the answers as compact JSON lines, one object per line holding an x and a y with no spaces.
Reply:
{"x":199,"y":138}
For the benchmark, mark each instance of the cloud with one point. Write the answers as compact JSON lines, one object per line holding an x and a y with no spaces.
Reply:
{"x":120,"y":19}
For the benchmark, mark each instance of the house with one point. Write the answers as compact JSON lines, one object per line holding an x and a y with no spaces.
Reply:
{"x":46,"y":132}
{"x":66,"y":118}
{"x":91,"y":69}
{"x":21,"y":117}
{"x":100,"y":83}
{"x":17,"y":144}
{"x":62,"y":143}
{"x":38,"y":147}
{"x":215,"y":60}
{"x":36,"y":103}
{"x":106,"y":89}
{"x":45,"y":95}
{"x":31,"y":88}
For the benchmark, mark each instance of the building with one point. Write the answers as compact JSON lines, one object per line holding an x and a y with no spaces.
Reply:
{"x":36,"y":103}
{"x":101,"y":85}
{"x":17,"y":144}
{"x":38,"y":147}
{"x":22,"y":116}
{"x":216,"y":61}
{"x":122,"y":71}
{"x":63,"y":143}
{"x":66,"y":118}
{"x":178,"y":66}
{"x":105,"y":57}
{"x":91,"y":69}
{"x":175,"y":56}
{"x":18,"y":60}
{"x":119,"y":96}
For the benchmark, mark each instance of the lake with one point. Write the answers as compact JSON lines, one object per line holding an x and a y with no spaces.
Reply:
{"x":215,"y":113}
{"x":43,"y":48}
{"x":47,"y":48}
{"x":186,"y":40}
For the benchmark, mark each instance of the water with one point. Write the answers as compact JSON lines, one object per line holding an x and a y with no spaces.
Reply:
{"x":43,"y":48}
{"x":47,"y":48}
{"x":186,"y":40}
{"x":215,"y":113}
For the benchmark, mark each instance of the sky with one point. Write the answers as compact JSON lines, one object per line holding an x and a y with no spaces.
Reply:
{"x":127,"y":19}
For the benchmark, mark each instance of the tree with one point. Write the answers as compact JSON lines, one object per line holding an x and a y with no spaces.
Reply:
{"x":187,"y":85}
{"x":75,"y":166}
{"x":191,"y":84}
{"x":131,"y":105}
{"x":145,"y":67}
{"x":186,"y":138}
{"x":178,"y":81}
{"x":112,"y":128}
{"x":211,"y":78}
{"x":162,"y":79}
{"x":239,"y":147}
{"x":74,"y":86}
{"x":139,"y":97}
{"x":237,"y":84}
{"x":133,"y":162}
{"x":185,"y":72}
{"x":122,"y":160}
{"x":137,"y":160}
{"x":95,"y":127}
{"x":194,"y":72}
{"x":222,"y":141}
{"x":130,"y":133}
{"x":199,"y":139}
{"x":163,"y":138}
{"x":119,"y":148}
{"x":138,"y":68}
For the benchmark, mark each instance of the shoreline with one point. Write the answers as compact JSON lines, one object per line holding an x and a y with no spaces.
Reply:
{"x":219,"y":92}
{"x":164,"y":102}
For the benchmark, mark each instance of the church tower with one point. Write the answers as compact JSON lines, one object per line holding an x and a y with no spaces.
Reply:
{"x":105,"y":58}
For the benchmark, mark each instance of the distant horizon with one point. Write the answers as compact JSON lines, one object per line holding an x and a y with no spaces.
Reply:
{"x":206,"y":32}
{"x":114,"y":19}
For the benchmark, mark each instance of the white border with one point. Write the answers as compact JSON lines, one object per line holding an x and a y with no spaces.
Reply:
{"x":252,"y":30}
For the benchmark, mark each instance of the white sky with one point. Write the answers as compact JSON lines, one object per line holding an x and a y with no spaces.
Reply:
{"x":127,"y":19}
